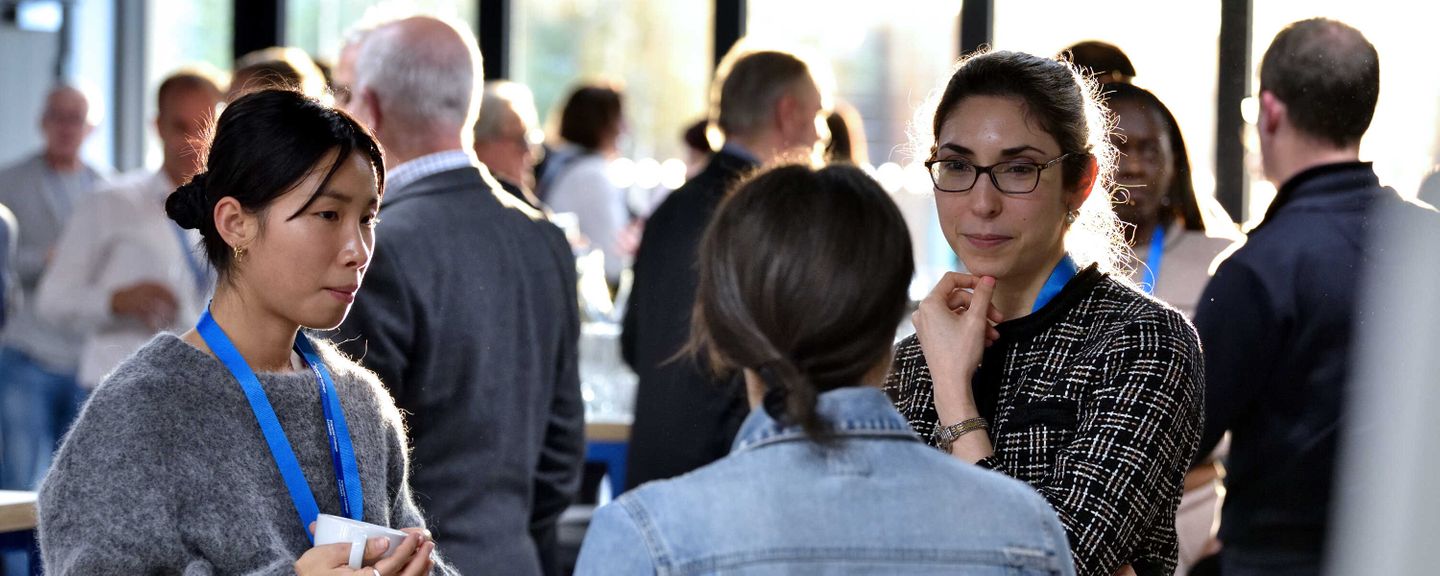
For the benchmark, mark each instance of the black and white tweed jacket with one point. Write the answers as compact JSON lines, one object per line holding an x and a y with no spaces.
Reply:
{"x":1097,"y":401}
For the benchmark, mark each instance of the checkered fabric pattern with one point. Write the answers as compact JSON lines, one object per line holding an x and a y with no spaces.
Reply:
{"x":1097,"y":401}
{"x":428,"y":165}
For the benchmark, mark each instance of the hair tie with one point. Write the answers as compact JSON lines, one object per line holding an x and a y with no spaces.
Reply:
{"x":776,"y":396}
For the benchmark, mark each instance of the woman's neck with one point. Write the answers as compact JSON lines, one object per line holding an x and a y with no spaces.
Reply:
{"x":264,"y":340}
{"x":1015,"y":297}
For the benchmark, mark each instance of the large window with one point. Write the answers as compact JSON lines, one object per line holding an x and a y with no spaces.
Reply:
{"x":886,"y":58}
{"x":1177,"y":62}
{"x":319,"y":26}
{"x":659,"y":50}
{"x":1403,"y":141}
{"x":182,"y":33}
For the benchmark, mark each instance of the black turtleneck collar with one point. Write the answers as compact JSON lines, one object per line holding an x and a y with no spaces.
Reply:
{"x":1348,"y":176}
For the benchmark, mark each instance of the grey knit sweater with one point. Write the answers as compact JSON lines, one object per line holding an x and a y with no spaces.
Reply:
{"x":167,"y":472}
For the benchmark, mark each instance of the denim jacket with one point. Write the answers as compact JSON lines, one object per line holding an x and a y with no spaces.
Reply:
{"x":875,"y":500}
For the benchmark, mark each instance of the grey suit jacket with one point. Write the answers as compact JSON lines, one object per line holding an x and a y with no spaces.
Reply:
{"x":468,"y":315}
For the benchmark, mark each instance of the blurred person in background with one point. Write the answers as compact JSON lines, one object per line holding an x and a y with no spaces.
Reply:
{"x":697,"y":147}
{"x":39,"y":359}
{"x":123,"y":271}
{"x":825,"y":476}
{"x":577,"y":175}
{"x":1155,"y":199}
{"x":276,"y":67}
{"x":1041,"y":362}
{"x":503,"y":141}
{"x":768,"y":107}
{"x":847,"y":136}
{"x":9,"y":236}
{"x":495,"y":415}
{"x":1278,"y":316}
{"x":1106,"y":63}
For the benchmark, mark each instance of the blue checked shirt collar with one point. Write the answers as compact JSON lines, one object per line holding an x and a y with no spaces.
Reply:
{"x":413,"y":170}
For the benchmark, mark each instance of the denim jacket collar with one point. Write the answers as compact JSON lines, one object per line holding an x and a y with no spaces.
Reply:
{"x":851,"y":411}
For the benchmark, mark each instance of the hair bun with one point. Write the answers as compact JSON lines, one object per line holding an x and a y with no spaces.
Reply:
{"x":188,"y":205}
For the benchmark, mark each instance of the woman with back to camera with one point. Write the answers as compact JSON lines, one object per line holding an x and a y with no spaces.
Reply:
{"x":803,"y":279}
{"x":212,"y":452}
{"x":1039,"y":363}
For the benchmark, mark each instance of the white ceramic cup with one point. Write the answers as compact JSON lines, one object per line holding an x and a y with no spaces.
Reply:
{"x":339,"y":530}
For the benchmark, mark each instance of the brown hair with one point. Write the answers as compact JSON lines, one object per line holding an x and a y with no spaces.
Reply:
{"x":1328,"y":76}
{"x":591,"y":116}
{"x":804,"y":277}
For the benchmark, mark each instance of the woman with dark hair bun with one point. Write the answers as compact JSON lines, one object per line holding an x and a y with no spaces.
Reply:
{"x":215,"y":451}
{"x":803,"y":279}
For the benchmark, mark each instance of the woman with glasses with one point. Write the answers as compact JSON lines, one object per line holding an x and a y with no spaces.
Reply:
{"x":1044,"y":362}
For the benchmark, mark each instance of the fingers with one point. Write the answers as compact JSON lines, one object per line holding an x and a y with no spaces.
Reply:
{"x":421,"y":563}
{"x":950,"y":282}
{"x":984,"y":291}
{"x":402,"y":556}
{"x":374,"y":549}
{"x":322,"y":559}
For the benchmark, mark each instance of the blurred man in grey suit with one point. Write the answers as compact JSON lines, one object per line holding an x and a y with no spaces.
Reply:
{"x":468,"y":312}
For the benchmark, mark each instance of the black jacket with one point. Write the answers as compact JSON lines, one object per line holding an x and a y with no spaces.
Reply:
{"x":684,"y":418}
{"x":1276,"y":323}
{"x":1095,"y":401}
{"x":468,"y":315}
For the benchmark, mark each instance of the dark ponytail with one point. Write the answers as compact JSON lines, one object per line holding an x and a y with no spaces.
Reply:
{"x":804,"y":276}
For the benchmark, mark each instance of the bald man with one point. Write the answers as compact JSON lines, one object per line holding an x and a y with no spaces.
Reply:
{"x":38,"y":360}
{"x":468,"y":311}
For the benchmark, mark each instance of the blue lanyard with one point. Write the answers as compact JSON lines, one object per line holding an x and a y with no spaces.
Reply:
{"x":347,"y":476}
{"x":1061,"y":276}
{"x":1150,"y":274}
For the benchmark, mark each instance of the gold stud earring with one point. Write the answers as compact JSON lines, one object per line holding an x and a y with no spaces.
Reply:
{"x":240,"y":254}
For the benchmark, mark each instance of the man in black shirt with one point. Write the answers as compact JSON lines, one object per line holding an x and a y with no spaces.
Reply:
{"x":769,"y":109}
{"x":1277,"y":318}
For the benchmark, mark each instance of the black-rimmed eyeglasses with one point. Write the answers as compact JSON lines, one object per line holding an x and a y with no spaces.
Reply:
{"x":1010,"y":177}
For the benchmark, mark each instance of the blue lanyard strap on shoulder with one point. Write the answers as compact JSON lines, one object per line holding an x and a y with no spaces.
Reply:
{"x":347,"y":476}
{"x":1064,"y":271}
{"x":1150,"y":273}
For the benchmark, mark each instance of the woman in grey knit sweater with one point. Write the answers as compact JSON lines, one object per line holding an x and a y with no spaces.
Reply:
{"x":167,"y":471}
